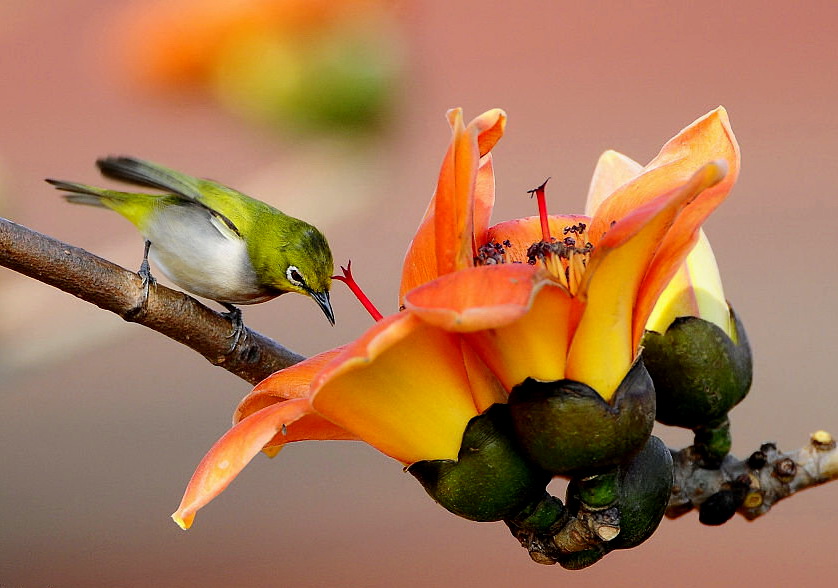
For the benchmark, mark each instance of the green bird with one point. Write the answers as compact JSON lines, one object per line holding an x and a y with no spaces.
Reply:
{"x":214,"y":241}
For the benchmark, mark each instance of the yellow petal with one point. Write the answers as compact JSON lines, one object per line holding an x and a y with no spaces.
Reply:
{"x":402,"y":387}
{"x":603,"y":349}
{"x":612,"y":171}
{"x":486,"y":388}
{"x":695,"y":290}
{"x":533,"y":346}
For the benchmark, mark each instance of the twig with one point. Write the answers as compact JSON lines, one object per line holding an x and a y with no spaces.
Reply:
{"x":111,"y":287}
{"x":751,"y":486}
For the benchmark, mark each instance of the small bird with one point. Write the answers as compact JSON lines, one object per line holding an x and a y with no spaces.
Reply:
{"x":214,"y":241}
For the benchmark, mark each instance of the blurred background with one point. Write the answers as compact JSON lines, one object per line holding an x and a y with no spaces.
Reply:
{"x":334,"y":112}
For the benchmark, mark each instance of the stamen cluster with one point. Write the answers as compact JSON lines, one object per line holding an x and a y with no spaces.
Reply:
{"x":492,"y":253}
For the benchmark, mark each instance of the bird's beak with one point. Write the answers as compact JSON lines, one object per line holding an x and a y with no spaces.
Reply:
{"x":322,"y":300}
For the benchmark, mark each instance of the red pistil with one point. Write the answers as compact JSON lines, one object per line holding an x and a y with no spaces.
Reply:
{"x":347,"y":279}
{"x":542,"y":210}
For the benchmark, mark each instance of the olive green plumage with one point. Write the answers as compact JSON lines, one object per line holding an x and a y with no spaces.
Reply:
{"x":214,"y":241}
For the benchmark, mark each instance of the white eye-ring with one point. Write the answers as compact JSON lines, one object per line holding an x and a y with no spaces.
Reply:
{"x":294,"y":276}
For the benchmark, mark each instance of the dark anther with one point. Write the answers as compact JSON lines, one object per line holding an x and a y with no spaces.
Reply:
{"x":491,"y":253}
{"x":757,"y":460}
{"x":785,"y":469}
{"x":576,"y":229}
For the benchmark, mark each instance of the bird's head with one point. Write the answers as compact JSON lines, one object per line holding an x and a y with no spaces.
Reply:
{"x":307,"y":268}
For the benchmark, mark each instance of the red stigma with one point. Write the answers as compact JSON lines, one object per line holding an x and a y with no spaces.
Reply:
{"x":542,"y":210}
{"x":347,"y":279}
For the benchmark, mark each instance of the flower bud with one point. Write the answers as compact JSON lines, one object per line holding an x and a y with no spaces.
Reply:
{"x":700,"y":373}
{"x":566,"y":427}
{"x":490,"y":480}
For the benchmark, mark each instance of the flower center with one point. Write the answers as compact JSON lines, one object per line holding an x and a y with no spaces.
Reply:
{"x":564,"y":260}
{"x":347,"y":279}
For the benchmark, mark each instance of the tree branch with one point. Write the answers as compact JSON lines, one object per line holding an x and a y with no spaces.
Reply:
{"x":751,"y":486}
{"x":111,"y":287}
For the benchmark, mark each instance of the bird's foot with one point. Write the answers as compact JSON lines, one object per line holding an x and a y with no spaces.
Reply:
{"x":145,"y":274}
{"x":147,"y":280}
{"x":235,"y":315}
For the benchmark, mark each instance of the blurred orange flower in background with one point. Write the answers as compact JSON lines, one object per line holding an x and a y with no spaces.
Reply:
{"x":294,"y":63}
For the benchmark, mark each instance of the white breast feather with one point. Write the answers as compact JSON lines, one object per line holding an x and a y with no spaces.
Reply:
{"x":202,"y":255}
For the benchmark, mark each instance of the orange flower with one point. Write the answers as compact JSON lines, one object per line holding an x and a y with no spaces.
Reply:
{"x":475,"y":327}
{"x":602,"y":278}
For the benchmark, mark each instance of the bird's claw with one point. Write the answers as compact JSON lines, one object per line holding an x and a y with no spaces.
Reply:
{"x":147,"y":280}
{"x":234,"y":314}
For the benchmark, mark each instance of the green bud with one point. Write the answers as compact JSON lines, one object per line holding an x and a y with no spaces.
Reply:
{"x":699,"y":372}
{"x":566,"y":427}
{"x":490,"y":480}
{"x":645,"y":488}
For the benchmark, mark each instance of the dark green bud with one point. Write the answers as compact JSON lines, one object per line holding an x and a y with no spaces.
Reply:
{"x":566,"y":427}
{"x":699,"y":372}
{"x":582,"y":559}
{"x":645,"y":488}
{"x":491,"y":480}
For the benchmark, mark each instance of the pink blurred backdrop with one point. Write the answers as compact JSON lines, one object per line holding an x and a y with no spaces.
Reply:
{"x":102,"y":422}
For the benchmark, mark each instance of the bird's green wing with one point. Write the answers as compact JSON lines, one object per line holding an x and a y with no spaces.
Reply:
{"x":233,"y":208}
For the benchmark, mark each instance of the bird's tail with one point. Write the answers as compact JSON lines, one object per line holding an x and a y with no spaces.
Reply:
{"x":82,"y":193}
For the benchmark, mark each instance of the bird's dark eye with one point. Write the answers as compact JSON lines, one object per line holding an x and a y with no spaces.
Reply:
{"x":294,"y":276}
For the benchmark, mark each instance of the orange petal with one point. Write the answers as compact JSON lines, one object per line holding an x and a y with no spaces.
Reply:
{"x":233,"y":451}
{"x":445,"y":241}
{"x":420,"y":264}
{"x":612,"y":171}
{"x":484,"y":199}
{"x":523,"y":232}
{"x":402,"y":387}
{"x":678,"y":242}
{"x":489,"y":127}
{"x":709,"y":138}
{"x":477,"y":298}
{"x":602,"y":349}
{"x":514,"y":319}
{"x":291,"y":382}
{"x":454,"y":200}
